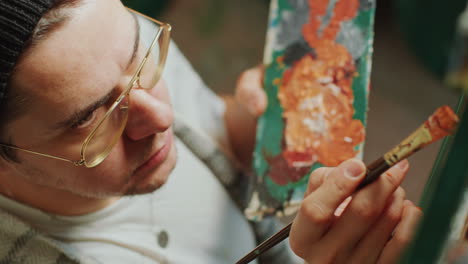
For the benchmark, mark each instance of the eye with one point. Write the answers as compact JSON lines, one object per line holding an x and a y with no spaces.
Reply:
{"x":87,"y":121}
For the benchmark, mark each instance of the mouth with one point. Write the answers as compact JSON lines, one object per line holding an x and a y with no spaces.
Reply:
{"x":158,"y":157}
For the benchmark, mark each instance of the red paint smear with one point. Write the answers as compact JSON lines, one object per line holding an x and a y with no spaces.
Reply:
{"x":282,"y":173}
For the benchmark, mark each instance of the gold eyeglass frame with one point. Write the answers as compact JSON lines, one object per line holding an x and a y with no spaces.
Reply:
{"x":164,"y":31}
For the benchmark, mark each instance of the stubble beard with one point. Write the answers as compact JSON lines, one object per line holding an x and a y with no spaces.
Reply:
{"x":130,"y":184}
{"x":133,"y":188}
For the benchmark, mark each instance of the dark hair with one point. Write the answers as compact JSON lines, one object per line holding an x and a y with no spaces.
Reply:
{"x":14,"y":103}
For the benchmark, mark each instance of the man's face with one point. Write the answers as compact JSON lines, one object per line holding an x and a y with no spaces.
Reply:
{"x":87,"y":59}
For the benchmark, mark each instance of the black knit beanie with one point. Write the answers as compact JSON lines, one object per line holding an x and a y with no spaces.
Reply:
{"x":18,"y":18}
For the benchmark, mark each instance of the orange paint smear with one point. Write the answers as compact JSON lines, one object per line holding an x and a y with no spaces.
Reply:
{"x":344,"y":10}
{"x":442,"y":123}
{"x":309,"y":31}
{"x":317,"y":97}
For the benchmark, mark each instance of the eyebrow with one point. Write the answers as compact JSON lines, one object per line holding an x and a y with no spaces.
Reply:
{"x":81,"y":114}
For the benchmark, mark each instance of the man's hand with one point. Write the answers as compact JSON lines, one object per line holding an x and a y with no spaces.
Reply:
{"x":374,"y":226}
{"x":242,"y":111}
{"x":249,"y":91}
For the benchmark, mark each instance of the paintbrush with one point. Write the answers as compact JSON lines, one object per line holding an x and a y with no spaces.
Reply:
{"x":441,"y":123}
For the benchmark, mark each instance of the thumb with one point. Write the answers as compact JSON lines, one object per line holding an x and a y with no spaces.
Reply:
{"x":250,"y":92}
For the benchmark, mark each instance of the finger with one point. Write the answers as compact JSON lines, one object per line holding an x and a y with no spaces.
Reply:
{"x":339,"y":211}
{"x":403,"y":234}
{"x":370,"y":248}
{"x":250,"y":92}
{"x":317,"y":177}
{"x":317,"y":209}
{"x":365,"y":208}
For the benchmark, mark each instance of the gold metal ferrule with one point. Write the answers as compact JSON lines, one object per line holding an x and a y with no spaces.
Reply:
{"x":419,"y":138}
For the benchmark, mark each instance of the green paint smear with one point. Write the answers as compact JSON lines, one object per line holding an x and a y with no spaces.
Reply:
{"x":283,"y":6}
{"x":365,"y":21}
{"x":271,"y":124}
{"x":359,"y":87}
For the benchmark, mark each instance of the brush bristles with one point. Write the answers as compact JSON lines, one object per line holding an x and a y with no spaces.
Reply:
{"x":442,"y":123}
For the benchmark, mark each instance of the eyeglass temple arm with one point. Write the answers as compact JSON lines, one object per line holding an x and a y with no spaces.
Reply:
{"x":75,"y":162}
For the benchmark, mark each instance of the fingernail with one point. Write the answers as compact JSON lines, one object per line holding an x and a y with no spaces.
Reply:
{"x":408,"y":203}
{"x":353,"y":169}
{"x":403,"y":165}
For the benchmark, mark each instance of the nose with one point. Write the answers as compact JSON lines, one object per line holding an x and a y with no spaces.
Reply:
{"x":150,"y":112}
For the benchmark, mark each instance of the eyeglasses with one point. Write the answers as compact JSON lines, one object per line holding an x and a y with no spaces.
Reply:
{"x":100,"y":141}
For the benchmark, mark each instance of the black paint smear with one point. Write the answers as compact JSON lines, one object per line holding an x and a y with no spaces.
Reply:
{"x":366,"y":4}
{"x":357,"y":62}
{"x":296,"y":51}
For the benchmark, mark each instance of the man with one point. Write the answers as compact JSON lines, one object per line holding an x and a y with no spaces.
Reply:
{"x":87,"y":123}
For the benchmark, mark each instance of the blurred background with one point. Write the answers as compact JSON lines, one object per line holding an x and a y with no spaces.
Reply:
{"x":414,"y":45}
